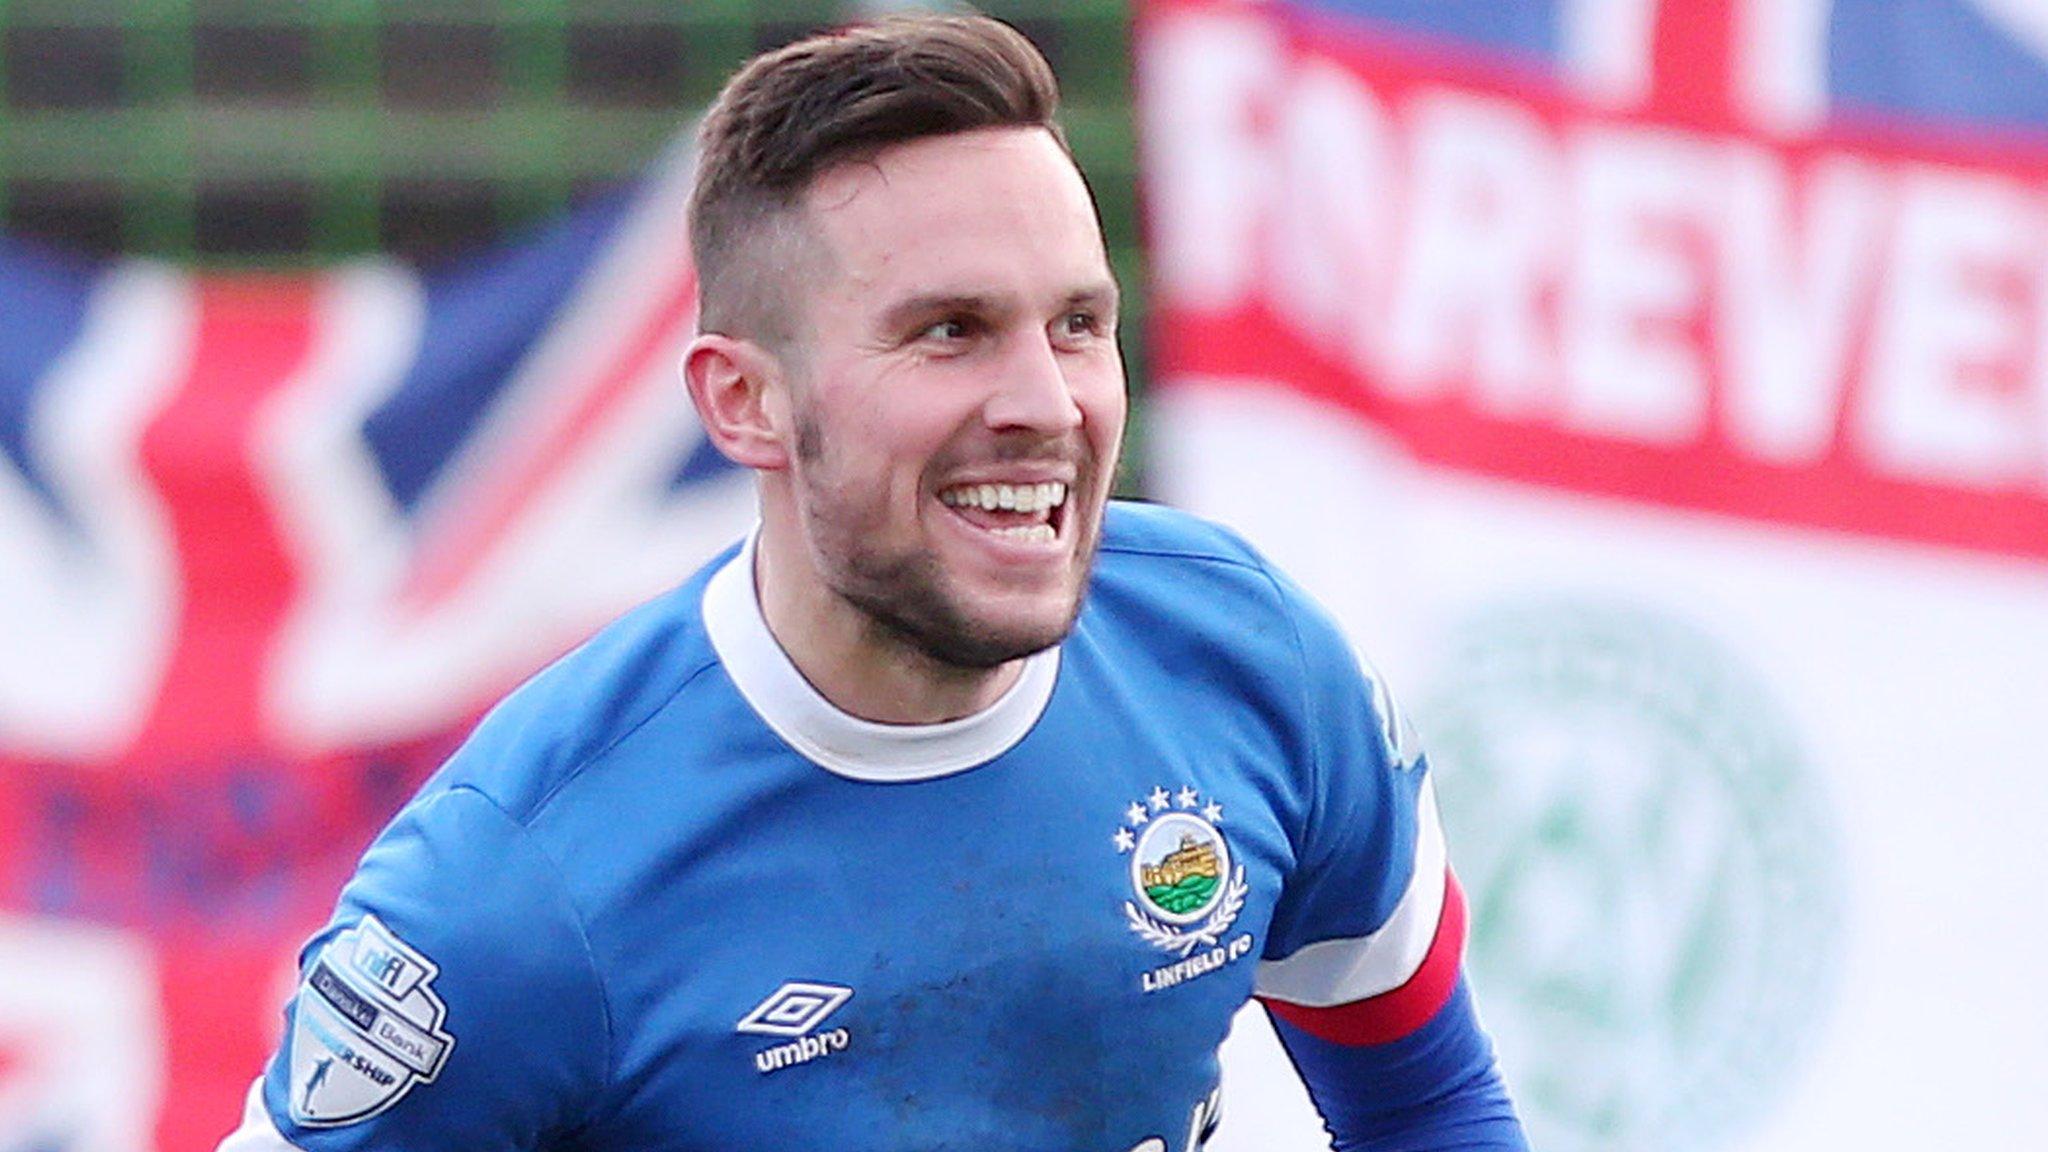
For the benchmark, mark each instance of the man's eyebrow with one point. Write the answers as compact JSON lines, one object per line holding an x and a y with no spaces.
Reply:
{"x":936,"y":304}
{"x":1104,"y":294}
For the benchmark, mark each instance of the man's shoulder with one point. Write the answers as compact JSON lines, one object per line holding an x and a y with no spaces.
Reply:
{"x":1140,"y":530}
{"x":589,"y":701}
{"x":1166,"y":571}
{"x":1153,"y":550}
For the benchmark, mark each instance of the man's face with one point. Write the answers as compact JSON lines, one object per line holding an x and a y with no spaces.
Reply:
{"x":957,"y":394}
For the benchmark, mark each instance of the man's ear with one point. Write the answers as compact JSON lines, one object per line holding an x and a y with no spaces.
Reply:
{"x":737,"y":387}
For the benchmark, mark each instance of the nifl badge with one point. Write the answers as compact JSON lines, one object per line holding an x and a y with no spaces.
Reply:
{"x":1187,"y":889}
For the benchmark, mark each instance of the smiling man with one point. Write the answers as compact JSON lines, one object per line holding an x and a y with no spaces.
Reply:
{"x":955,"y":808}
{"x":936,"y":446}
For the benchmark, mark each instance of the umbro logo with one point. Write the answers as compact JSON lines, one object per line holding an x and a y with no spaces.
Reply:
{"x":794,"y":1010}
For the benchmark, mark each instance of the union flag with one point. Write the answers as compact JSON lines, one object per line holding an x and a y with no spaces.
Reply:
{"x":268,"y":545}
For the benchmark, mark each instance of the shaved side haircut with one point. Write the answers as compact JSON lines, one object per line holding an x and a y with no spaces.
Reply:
{"x":795,"y":112}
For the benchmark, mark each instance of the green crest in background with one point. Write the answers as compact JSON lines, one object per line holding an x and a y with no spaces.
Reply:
{"x":1657,"y":891}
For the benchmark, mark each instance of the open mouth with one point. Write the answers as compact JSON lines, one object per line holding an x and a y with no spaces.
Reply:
{"x":1031,"y":513}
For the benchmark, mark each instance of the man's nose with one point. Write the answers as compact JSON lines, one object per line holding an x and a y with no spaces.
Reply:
{"x":1034,"y":391}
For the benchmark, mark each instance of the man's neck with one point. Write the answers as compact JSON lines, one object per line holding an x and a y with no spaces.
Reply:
{"x":852,"y":660}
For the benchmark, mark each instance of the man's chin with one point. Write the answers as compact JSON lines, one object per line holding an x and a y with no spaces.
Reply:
{"x":988,"y":644}
{"x":982,"y":641}
{"x":1008,"y":618}
{"x":966,"y":620}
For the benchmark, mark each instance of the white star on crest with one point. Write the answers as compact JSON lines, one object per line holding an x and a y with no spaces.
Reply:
{"x":1158,"y":799}
{"x":1124,"y":840}
{"x":1188,"y":796}
{"x":1135,"y":814}
{"x":1213,"y":813}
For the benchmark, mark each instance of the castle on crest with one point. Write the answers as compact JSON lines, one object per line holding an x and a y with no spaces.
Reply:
{"x":1194,"y":857}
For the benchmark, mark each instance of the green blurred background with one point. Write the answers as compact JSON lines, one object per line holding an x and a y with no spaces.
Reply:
{"x":289,"y":133}
{"x":283,"y":135}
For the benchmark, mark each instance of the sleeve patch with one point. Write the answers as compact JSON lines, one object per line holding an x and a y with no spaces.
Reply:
{"x":368,"y":1026}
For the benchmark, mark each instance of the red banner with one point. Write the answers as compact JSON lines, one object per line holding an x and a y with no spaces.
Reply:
{"x":1653,"y":299}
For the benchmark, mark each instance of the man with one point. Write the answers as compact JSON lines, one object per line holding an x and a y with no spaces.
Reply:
{"x":956,"y":808}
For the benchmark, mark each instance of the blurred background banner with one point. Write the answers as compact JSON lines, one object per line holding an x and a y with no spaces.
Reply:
{"x":272,"y":543}
{"x":1658,"y":392}
{"x":338,"y":393}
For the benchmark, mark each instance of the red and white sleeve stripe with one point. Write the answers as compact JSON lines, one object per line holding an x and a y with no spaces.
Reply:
{"x":1384,"y":985}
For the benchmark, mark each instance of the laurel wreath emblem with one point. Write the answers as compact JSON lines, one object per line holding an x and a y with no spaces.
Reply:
{"x":1209,"y":933}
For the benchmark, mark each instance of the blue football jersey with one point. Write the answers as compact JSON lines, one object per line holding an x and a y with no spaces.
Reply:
{"x":667,"y":897}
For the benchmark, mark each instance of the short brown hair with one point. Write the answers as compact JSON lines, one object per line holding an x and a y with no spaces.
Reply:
{"x":792,"y":113}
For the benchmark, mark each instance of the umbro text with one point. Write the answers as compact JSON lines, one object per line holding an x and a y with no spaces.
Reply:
{"x":802,"y":1050}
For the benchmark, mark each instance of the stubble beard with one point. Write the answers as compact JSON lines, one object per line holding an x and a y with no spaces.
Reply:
{"x":907,"y":595}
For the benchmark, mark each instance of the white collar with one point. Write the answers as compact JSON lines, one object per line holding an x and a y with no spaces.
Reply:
{"x":838,"y":741}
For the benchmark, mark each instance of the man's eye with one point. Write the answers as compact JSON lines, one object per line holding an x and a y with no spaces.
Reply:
{"x":947,"y":331}
{"x":1082,"y":324}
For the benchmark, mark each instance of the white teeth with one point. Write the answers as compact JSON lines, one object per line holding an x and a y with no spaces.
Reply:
{"x":1007,"y":497}
{"x":1041,"y":533}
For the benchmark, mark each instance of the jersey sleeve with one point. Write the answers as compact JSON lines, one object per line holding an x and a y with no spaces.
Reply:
{"x":1435,"y":1088}
{"x":1363,"y":968}
{"x":1368,"y":934}
{"x":451,"y":1003}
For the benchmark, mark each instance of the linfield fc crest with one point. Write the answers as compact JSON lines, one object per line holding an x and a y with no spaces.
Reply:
{"x":367,"y":1027}
{"x":1186,"y":890}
